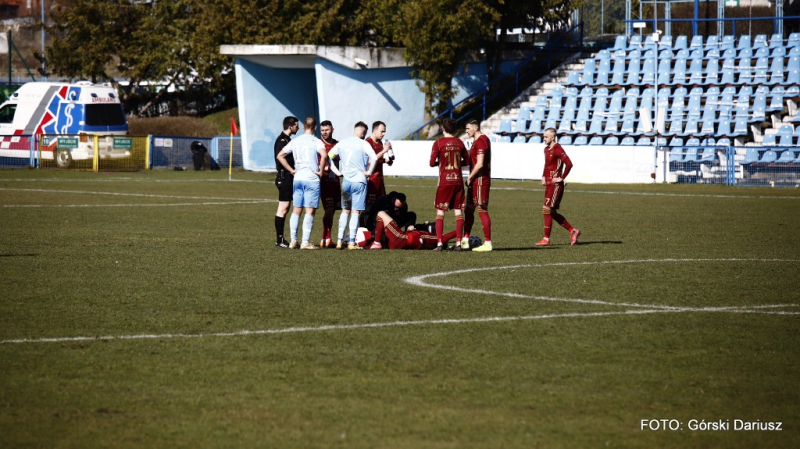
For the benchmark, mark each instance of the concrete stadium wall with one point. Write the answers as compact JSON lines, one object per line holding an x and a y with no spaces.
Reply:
{"x":592,"y":164}
{"x":267,"y":95}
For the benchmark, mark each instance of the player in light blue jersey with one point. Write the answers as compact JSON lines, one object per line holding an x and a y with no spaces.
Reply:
{"x":356,"y":162}
{"x":309,"y":161}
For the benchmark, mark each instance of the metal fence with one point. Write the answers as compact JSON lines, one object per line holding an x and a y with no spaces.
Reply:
{"x":116,"y":153}
{"x":729,"y":165}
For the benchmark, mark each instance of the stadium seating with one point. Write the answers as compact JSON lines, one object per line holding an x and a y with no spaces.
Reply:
{"x":711,"y":89}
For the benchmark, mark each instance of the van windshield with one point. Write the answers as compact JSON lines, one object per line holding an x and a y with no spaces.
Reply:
{"x":7,"y":113}
{"x":104,"y":115}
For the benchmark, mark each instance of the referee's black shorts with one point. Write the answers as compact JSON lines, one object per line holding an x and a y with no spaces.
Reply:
{"x":284,"y":181}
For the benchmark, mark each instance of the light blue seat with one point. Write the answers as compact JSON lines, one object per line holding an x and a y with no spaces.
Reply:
{"x":570,"y":107}
{"x":776,"y":40}
{"x":750,"y":156}
{"x":769,"y":140}
{"x":727,"y":76}
{"x":739,"y":127}
{"x":538,"y":112}
{"x":708,"y":127}
{"x":680,"y":43}
{"x":601,"y":76}
{"x":627,"y":126}
{"x":574,"y":79}
{"x":761,"y":53}
{"x":580,"y":140}
{"x":760,"y":41}
{"x":709,"y":113}
{"x":690,"y":129}
{"x":618,"y":73}
{"x":643,"y":141}
{"x":596,"y":140}
{"x":550,"y":123}
{"x":535,"y":140}
{"x":778,"y":52}
{"x":724,"y":142}
{"x":697,"y":41}
{"x":776,"y":72}
{"x":627,"y":141}
{"x":712,"y":73}
{"x":768,"y":157}
{"x":724,"y":127}
{"x":745,"y":53}
{"x":679,"y":73}
{"x":793,"y":41}
{"x":565,"y":126}
{"x":611,"y":140}
{"x":596,"y":125}
{"x":676,"y":142}
{"x":683,"y":54}
{"x":696,"y":54}
{"x":520,"y":139}
{"x":505,"y":127}
{"x":524,"y":114}
{"x":664,"y":72}
{"x":505,"y":139}
{"x":676,"y":154}
{"x":565,"y":140}
{"x":708,"y":155}
{"x":620,"y":43}
{"x":786,"y":157}
{"x":759,"y":108}
{"x":785,"y":140}
{"x":744,"y":42}
{"x":730,"y":53}
{"x":635,"y":43}
{"x":761,"y":71}
{"x":534,"y":127}
{"x":745,"y":70}
{"x":610,"y":128}
{"x":633,"y":74}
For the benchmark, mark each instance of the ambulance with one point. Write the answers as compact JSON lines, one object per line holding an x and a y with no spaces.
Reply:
{"x":66,"y":117}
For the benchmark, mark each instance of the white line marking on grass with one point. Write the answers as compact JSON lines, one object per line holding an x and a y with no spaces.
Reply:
{"x":220,"y":203}
{"x":291,"y":330}
{"x":140,"y":195}
{"x":639,"y":309}
{"x":420,"y":281}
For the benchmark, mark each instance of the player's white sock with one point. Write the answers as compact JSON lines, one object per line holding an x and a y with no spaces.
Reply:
{"x":354,"y":226}
{"x":294,"y":222}
{"x":342,"y":224}
{"x":308,"y":225}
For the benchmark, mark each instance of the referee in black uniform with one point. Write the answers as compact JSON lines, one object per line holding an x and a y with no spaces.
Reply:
{"x":284,"y":179}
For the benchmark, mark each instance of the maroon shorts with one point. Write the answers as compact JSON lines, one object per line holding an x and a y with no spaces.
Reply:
{"x":450,"y":197}
{"x":396,"y":237}
{"x":330,"y":193}
{"x":553,"y":194}
{"x":478,"y":193}
{"x":375,"y":189}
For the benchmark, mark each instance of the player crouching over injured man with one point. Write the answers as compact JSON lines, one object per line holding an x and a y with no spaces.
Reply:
{"x":409,"y":239}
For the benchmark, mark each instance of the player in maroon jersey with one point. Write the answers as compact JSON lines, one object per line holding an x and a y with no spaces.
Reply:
{"x":330,"y":189}
{"x":375,"y":186}
{"x":478,"y":183}
{"x":556,"y":167}
{"x":450,"y":154}
{"x":411,"y":238}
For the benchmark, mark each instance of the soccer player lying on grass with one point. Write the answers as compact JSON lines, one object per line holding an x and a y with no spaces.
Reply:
{"x":409,"y":239}
{"x":396,"y":206}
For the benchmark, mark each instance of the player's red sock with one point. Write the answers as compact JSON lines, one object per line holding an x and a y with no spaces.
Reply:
{"x":459,"y":228}
{"x":562,"y":221}
{"x":469,"y":220}
{"x":439,"y":228}
{"x":327,"y":224}
{"x":379,"y":230}
{"x":486,"y":221}
{"x":548,"y":223}
{"x":447,"y":237}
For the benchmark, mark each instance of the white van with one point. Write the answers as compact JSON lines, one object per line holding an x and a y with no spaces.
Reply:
{"x":77,"y":111}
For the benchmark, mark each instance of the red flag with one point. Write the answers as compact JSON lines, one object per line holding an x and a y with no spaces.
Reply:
{"x":234,"y":128}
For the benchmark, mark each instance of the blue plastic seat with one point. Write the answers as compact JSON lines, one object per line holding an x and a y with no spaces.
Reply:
{"x":690,"y":129}
{"x":761,"y":71}
{"x":612,"y":140}
{"x":596,"y":140}
{"x":745,"y":53}
{"x":620,"y":43}
{"x":683,"y":54}
{"x":759,"y":108}
{"x":697,"y":41}
{"x":505,"y":127}
{"x":745,"y":70}
{"x":643,"y":141}
{"x":744,"y":42}
{"x":769,"y":140}
{"x":574,"y":79}
{"x":768,"y":157}
{"x":727,"y":77}
{"x":724,"y":142}
{"x":505,"y":139}
{"x":601,"y":76}
{"x":708,"y":155}
{"x":538,"y":112}
{"x":648,"y":72}
{"x":570,"y":107}
{"x":793,"y":41}
{"x":565,"y":126}
{"x":633,"y":73}
{"x":676,"y":142}
{"x":730,"y":53}
{"x":627,"y":141}
{"x":775,"y":72}
{"x":724,"y":127}
{"x":680,"y":43}
{"x":713,"y":42}
{"x":580,"y":140}
{"x":696,"y":55}
{"x":588,"y":72}
{"x":760,"y":41}
{"x":786,"y":140}
{"x":778,"y":52}
{"x":664,"y":72}
{"x":696,"y":72}
{"x":627,"y":126}
{"x":565,"y":140}
{"x":739,"y":127}
{"x":750,"y":156}
{"x":786,"y":157}
{"x":610,"y":128}
{"x":635,"y":43}
{"x":535,"y":140}
{"x":520,"y":139}
{"x":709,"y":113}
{"x":596,"y":126}
{"x":708,"y":128}
{"x":524,"y":113}
{"x":618,"y":73}
{"x":534,"y":127}
{"x":679,"y":73}
{"x":776,"y":40}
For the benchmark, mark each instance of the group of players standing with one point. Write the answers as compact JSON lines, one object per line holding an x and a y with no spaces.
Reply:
{"x":309,"y":167}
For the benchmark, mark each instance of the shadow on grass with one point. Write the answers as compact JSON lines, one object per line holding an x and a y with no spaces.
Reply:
{"x":19,"y":255}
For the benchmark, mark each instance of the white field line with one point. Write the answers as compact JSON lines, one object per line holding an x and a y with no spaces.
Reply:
{"x":640,"y":309}
{"x":220,"y":203}
{"x":140,"y":195}
{"x":135,"y":180}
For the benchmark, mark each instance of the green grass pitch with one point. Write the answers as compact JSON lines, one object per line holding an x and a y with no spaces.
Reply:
{"x":153,"y":310}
